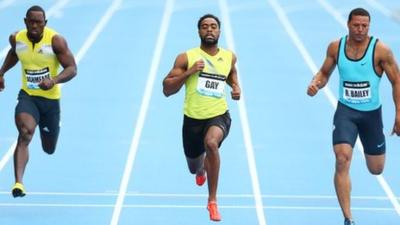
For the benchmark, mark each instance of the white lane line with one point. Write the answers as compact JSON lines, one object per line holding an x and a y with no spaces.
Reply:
{"x":384,"y":10}
{"x":6,"y":157}
{"x":336,"y":14}
{"x":53,"y":10}
{"x":56,"y":8}
{"x":306,"y":56}
{"x":98,"y":29}
{"x":244,"y":120}
{"x":183,"y":195}
{"x":143,"y":110}
{"x":5,"y":3}
{"x":300,"y":47}
{"x":178,"y":206}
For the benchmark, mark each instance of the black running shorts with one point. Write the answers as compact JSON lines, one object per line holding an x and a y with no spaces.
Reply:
{"x":194,"y":131}
{"x":46,"y":112}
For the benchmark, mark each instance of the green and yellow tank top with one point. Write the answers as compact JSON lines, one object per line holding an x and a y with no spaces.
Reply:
{"x":205,"y":90}
{"x":38,"y":61}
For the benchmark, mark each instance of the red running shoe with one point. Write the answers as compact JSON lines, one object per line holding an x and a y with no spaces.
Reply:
{"x":201,"y":179}
{"x":213,"y":210}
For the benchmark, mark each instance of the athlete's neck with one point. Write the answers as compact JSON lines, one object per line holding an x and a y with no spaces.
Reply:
{"x":36,"y":39}
{"x":356,"y":48}
{"x":358,"y":43}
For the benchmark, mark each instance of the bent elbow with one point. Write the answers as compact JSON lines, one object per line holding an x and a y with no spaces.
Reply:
{"x":73,"y":72}
{"x":166,"y":89}
{"x":166,"y":93}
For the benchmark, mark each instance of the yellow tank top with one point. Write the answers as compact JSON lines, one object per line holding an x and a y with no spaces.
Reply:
{"x":38,"y":62}
{"x":205,"y":90}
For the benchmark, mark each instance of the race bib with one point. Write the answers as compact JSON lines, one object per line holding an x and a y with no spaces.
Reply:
{"x":212,"y":85}
{"x":357,"y":92}
{"x":34,"y":77}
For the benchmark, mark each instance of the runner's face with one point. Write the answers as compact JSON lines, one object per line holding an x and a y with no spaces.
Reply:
{"x":35,"y":23}
{"x":358,"y":28}
{"x":209,"y":31}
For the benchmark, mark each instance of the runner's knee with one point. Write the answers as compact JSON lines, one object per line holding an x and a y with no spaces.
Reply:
{"x":211,"y":145}
{"x":342,"y":163}
{"x":376,"y":170}
{"x":25,"y":134}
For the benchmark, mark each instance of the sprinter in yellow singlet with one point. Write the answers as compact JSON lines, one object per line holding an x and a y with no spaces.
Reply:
{"x":40,"y":50}
{"x":205,"y":70}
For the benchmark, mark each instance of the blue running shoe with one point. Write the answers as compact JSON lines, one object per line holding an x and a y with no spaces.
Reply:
{"x":349,"y":222}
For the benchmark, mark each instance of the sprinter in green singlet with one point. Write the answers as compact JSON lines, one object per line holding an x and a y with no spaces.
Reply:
{"x":40,"y":50}
{"x":361,"y":60}
{"x":205,"y":71}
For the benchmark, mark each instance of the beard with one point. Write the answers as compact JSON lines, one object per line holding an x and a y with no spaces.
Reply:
{"x":209,"y":41}
{"x":35,"y":36}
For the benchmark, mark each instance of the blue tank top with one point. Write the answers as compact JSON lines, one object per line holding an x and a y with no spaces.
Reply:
{"x":359,"y":82}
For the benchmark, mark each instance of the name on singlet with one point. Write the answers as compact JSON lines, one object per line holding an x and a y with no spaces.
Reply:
{"x":211,"y":85}
{"x":34,"y":77}
{"x":357,"y":92}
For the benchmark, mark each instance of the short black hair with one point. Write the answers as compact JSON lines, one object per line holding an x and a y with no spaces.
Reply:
{"x":36,"y":8}
{"x":358,"y":12}
{"x":208,"y":16}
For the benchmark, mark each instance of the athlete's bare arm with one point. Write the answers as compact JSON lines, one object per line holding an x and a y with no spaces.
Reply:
{"x":9,"y":62}
{"x":67,"y":61}
{"x":233,"y":80}
{"x":389,"y":65}
{"x":322,"y":76}
{"x":177,"y":76}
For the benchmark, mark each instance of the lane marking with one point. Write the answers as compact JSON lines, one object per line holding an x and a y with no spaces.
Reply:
{"x":143,"y":111}
{"x":178,"y":206}
{"x":244,"y":120}
{"x":183,"y":195}
{"x":384,"y":10}
{"x":5,"y":3}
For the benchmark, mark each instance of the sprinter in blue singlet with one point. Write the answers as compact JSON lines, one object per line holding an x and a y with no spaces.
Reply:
{"x":361,"y":60}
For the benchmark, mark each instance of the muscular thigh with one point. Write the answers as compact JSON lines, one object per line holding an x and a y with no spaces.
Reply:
{"x":26,"y":109}
{"x":219,"y":127}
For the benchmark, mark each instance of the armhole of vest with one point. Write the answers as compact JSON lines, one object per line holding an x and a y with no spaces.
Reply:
{"x":51,"y":41}
{"x":17,"y":35}
{"x":338,"y":51}
{"x":230,"y":66}
{"x":373,"y":58}
{"x":188,"y":60}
